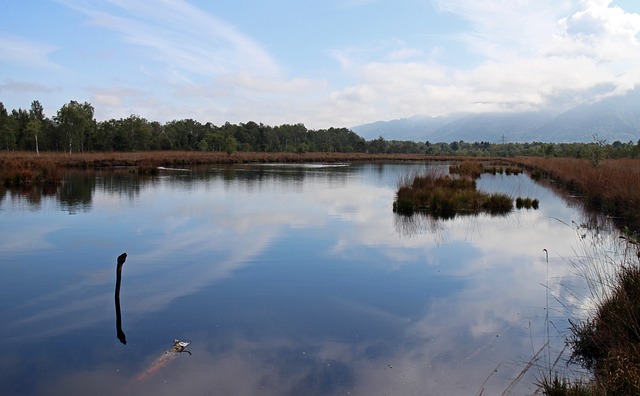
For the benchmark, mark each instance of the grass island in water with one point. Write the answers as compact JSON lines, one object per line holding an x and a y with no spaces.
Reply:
{"x":444,"y":196}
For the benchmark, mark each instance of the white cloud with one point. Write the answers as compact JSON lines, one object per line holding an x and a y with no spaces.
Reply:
{"x":511,"y":55}
{"x":502,"y":29}
{"x":13,"y":86}
{"x":250,"y":82}
{"x":24,"y":52}
{"x":532,"y":52}
{"x":113,"y":96}
{"x":607,"y":35}
{"x":180,"y":35}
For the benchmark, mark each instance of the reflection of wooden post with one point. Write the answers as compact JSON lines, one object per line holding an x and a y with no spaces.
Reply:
{"x":121,"y":336}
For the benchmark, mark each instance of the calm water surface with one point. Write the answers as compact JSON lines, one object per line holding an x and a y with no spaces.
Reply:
{"x":288,"y":280}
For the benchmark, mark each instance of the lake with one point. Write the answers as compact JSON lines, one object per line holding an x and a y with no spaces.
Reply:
{"x":286,"y":279}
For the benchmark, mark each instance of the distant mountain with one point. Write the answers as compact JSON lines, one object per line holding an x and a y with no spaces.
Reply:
{"x":493,"y":127}
{"x":412,"y":128}
{"x":615,"y":118}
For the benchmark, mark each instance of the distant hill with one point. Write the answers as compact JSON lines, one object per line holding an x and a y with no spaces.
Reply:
{"x":414,"y":128}
{"x":616,"y":118}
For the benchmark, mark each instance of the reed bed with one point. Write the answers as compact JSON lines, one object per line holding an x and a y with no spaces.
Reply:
{"x":443,"y":196}
{"x":613,"y":186}
{"x":468,"y":168}
{"x":173,"y":158}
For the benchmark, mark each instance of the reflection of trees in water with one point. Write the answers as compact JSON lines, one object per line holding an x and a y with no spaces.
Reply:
{"x":32,"y":195}
{"x":254,"y":177}
{"x":76,"y":192}
{"x":79,"y":186}
{"x":123,"y":183}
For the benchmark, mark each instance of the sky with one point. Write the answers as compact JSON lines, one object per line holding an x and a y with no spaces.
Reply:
{"x":329,"y":63}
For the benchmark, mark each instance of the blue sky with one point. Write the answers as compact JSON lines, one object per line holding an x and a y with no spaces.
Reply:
{"x":323,"y":63}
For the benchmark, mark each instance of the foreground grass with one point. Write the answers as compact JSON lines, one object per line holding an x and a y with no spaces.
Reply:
{"x":607,"y":343}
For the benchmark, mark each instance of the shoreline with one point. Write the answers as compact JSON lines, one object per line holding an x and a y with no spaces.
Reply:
{"x":164,"y":158}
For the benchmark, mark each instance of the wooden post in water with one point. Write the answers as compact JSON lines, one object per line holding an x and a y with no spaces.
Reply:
{"x":120,"y":334}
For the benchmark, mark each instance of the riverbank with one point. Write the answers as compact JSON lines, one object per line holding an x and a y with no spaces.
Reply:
{"x":610,"y":187}
{"x":172,"y":158}
{"x":21,"y":169}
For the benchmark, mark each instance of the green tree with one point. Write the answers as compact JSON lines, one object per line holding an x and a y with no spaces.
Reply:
{"x":36,"y":118}
{"x":203,"y":145}
{"x":378,"y":145}
{"x":133,"y":133}
{"x":598,"y":151}
{"x":21,"y":120}
{"x":183,"y":134}
{"x":230,"y":144}
{"x":105,"y":135}
{"x":76,"y":121}
{"x":7,"y":130}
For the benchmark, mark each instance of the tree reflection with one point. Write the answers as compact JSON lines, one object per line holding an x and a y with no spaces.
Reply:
{"x":120,"y":334}
{"x":76,"y":193}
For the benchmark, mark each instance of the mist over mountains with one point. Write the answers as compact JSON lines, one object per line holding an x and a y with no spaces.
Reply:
{"x":612,"y":119}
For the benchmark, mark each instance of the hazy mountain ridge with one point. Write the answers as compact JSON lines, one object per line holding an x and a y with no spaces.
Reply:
{"x":615,"y":118}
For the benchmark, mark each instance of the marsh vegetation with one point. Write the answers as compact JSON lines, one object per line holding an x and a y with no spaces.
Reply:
{"x":606,"y":340}
{"x":447,"y":195}
{"x":610,"y":186}
{"x":443,"y":196}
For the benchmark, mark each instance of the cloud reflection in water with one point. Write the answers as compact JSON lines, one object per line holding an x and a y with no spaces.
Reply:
{"x":294,"y":281}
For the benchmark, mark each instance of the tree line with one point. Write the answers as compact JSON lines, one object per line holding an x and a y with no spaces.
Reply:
{"x":74,"y":129}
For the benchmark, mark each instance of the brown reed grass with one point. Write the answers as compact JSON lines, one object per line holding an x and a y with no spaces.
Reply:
{"x":443,"y":196}
{"x":12,"y":159}
{"x":612,"y":187}
{"x":469,"y":168}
